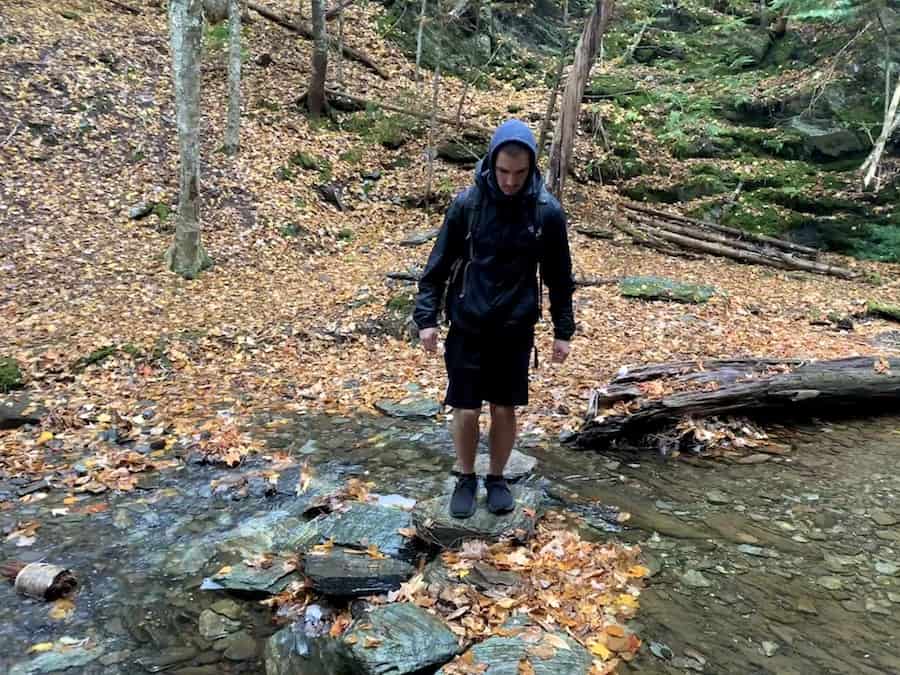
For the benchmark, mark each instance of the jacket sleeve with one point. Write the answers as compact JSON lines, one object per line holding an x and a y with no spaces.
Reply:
{"x":557,"y":274}
{"x":447,"y":249}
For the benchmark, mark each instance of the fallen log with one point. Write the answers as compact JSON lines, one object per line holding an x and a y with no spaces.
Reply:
{"x":740,"y":234}
{"x":303,"y":31}
{"x":776,"y":259}
{"x":646,"y":239}
{"x":737,"y":387}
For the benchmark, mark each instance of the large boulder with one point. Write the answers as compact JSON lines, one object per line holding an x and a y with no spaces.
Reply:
{"x":826,"y":140}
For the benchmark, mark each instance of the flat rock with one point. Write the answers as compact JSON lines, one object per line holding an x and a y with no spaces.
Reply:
{"x":419,"y":238}
{"x":241,"y":647}
{"x":398,"y":639}
{"x":717,"y":497}
{"x":362,"y":525}
{"x":342,"y":573}
{"x":168,"y":658}
{"x":214,"y":626}
{"x":502,"y":654}
{"x":53,"y":661}
{"x":518,"y":466}
{"x":409,"y":408}
{"x":482,"y":576}
{"x":16,"y":410}
{"x":242,"y":577}
{"x":435,"y":524}
{"x":695,"y":579}
{"x":884,"y":518}
{"x":831,"y":583}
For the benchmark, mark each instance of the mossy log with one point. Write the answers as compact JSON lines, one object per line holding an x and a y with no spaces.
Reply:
{"x":740,"y":387}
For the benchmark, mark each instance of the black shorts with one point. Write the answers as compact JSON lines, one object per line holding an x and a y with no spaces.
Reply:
{"x":487,"y":367}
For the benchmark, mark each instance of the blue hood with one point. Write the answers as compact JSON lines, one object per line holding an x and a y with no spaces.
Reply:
{"x":511,"y":131}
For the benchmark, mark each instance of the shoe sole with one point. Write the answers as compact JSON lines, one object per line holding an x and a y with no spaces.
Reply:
{"x":500,"y":512}
{"x":463,"y":515}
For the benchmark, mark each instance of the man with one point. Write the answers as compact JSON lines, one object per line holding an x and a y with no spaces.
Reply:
{"x":496,"y":236}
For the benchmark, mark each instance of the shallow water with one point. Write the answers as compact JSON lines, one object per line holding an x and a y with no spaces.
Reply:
{"x":776,"y":567}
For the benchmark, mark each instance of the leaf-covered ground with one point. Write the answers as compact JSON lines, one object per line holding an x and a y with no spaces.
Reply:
{"x":286,"y":319}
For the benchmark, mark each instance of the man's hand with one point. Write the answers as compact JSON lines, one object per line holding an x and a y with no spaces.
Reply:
{"x":429,"y":336}
{"x":561,"y":349}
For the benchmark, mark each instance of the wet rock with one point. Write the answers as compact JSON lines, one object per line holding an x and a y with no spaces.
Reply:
{"x":502,"y":654}
{"x":831,"y":583}
{"x":518,"y":466}
{"x":435,"y":524}
{"x":409,"y":408}
{"x":888,"y":535}
{"x":169,"y":658}
{"x":242,"y":577}
{"x":241,"y":647}
{"x":717,"y":497}
{"x":884,"y":518}
{"x":397,"y":639}
{"x":769,"y":648}
{"x":341,"y":573}
{"x":227,"y":608}
{"x":757,"y":551}
{"x":199,"y":670}
{"x":826,"y":140}
{"x":695,"y":579}
{"x":16,"y":410}
{"x":215,"y":626}
{"x":53,"y":661}
{"x":113,"y":658}
{"x":806,"y":606}
{"x":887,"y":568}
{"x":482,"y":576}
{"x":757,"y":458}
{"x":363,"y":525}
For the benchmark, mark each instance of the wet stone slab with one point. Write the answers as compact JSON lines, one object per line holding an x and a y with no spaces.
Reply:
{"x":354,"y":573}
{"x":398,"y":639}
{"x":362,"y":525}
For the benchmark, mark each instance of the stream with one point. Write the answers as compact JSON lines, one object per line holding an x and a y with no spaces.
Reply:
{"x":787,"y":565}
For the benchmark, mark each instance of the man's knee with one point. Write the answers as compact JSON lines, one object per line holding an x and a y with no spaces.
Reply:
{"x":503,"y":411}
{"x":466,"y":415}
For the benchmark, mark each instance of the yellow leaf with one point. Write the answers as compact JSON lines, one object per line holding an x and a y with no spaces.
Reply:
{"x":525,"y":667}
{"x":104,"y":418}
{"x":598,"y":649}
{"x":62,"y":609}
{"x":638,"y":571}
{"x":225,"y":571}
{"x":371,"y":642}
{"x":41,"y":647}
{"x":44,"y":437}
{"x":626,"y":600}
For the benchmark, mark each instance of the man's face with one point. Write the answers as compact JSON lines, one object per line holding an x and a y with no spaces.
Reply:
{"x":512,"y":169}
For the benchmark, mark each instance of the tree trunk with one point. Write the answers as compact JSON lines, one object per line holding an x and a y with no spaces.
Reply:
{"x":891,"y":121}
{"x":557,"y":80}
{"x":432,"y":125}
{"x":186,"y":255}
{"x":340,"y":52}
{"x":316,"y":95}
{"x":564,"y":136}
{"x":232,"y":130}
{"x":419,"y":39}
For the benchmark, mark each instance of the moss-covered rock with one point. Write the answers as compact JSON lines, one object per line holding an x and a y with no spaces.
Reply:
{"x":658,"y":288}
{"x":10,"y":374}
{"x":883,"y":310}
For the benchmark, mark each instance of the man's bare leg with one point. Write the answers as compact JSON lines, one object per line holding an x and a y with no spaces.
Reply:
{"x":501,"y":439}
{"x":465,"y":437}
{"x":502,"y":436}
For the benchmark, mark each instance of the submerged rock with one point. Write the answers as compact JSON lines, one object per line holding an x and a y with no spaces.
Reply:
{"x":242,"y":577}
{"x":50,"y":662}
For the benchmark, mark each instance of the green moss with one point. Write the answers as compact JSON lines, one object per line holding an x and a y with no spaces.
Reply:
{"x":96,"y":356}
{"x":132,"y":350}
{"x":10,"y":375}
{"x":658,"y":288}
{"x":346,"y":234}
{"x":285,"y":173}
{"x":390,"y":131}
{"x":402,"y":303}
{"x":883,"y":310}
{"x":305,"y":161}
{"x":290,"y":230}
{"x":352,"y":156}
{"x":162,"y":211}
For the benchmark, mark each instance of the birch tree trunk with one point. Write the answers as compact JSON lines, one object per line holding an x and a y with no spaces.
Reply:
{"x":564,"y":135}
{"x":419,"y":39}
{"x":232,"y":129}
{"x":891,"y":122}
{"x":316,"y":96}
{"x":186,"y":255}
